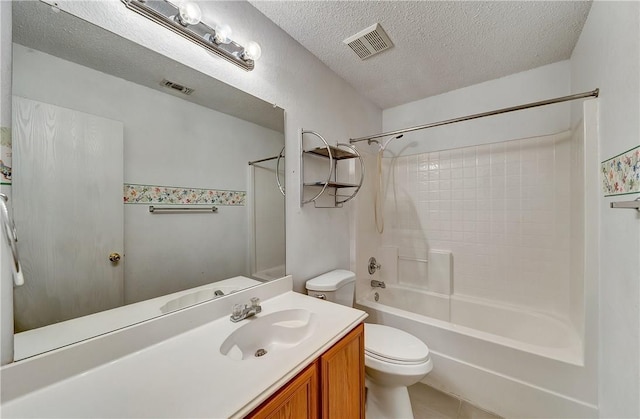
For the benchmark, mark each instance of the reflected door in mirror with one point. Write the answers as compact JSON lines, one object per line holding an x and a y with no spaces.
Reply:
{"x":68,"y":206}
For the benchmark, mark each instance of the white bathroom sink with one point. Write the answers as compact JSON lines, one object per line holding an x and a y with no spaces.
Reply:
{"x":268,"y":334}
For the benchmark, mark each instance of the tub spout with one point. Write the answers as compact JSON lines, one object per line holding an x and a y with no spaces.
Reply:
{"x":377,"y":284}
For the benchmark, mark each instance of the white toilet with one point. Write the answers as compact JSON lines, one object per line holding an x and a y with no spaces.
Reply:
{"x":393,"y":359}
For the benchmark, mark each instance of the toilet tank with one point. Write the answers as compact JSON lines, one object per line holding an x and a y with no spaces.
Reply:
{"x":337,"y":286}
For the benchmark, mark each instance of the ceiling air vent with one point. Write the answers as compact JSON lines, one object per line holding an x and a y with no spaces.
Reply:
{"x":369,"y":41}
{"x":175,"y":86}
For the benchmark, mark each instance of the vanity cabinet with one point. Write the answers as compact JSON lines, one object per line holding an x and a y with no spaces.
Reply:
{"x":342,"y":377}
{"x":332,"y":387}
{"x":297,"y":399}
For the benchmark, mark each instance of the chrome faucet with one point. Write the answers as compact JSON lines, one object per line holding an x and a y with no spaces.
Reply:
{"x":243,"y":311}
{"x":373,"y":266}
{"x":378,"y":284}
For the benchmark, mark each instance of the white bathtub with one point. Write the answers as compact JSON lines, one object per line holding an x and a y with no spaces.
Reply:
{"x":510,"y":361}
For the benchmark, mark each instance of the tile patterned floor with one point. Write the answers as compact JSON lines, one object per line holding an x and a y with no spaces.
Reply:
{"x":428,"y":403}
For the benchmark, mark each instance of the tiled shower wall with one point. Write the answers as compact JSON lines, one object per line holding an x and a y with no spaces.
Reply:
{"x":502,"y":209}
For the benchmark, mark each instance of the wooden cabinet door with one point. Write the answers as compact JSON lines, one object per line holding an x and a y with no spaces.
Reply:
{"x":342,"y":378}
{"x":296,"y":400}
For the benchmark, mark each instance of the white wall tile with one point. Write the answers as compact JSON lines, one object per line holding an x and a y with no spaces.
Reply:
{"x":501,"y":209}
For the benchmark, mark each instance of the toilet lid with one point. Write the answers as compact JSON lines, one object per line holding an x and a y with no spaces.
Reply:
{"x":331,"y":281}
{"x":384,"y":342}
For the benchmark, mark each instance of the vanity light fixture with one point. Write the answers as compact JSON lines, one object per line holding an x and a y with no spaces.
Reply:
{"x":252,"y":51}
{"x":185,"y":20}
{"x":223,"y":34}
{"x":189,"y":14}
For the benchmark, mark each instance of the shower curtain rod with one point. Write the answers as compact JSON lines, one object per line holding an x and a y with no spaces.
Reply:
{"x":593,"y":93}
{"x":277,"y":156}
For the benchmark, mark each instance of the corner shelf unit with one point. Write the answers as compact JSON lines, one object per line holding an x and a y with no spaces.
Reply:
{"x":330,"y":185}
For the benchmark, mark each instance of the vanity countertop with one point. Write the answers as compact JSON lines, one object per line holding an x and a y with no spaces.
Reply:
{"x":187,"y":375}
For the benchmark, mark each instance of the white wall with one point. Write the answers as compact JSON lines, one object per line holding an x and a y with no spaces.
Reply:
{"x":287,"y":74}
{"x":607,"y":56}
{"x":172,"y":143}
{"x":541,"y":83}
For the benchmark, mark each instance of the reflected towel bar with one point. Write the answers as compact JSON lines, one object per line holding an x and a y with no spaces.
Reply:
{"x":156,"y":210}
{"x":635,"y":204}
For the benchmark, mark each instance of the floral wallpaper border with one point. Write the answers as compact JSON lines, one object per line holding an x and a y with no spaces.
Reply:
{"x":168,"y":195}
{"x":621,"y":174}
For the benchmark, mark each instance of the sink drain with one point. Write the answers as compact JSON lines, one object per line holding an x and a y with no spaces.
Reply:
{"x":260,"y":352}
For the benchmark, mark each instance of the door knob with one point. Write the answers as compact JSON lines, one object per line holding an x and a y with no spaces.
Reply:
{"x":114,"y":257}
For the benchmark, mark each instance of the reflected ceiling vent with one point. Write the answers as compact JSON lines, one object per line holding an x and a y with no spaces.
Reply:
{"x":370,"y":41}
{"x":178,"y":87}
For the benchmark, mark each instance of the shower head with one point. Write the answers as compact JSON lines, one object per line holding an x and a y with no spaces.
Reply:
{"x":383,"y":146}
{"x":386,"y":143}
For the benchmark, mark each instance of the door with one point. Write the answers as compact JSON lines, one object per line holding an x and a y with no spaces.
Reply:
{"x":68,"y":206}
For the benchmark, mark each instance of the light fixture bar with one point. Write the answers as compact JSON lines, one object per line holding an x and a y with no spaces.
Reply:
{"x":166,"y":14}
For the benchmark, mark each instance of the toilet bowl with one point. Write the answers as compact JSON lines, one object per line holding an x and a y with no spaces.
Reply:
{"x":393,"y":359}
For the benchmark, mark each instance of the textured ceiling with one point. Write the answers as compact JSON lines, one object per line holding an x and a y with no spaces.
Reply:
{"x":37,"y":26}
{"x":439,"y":45}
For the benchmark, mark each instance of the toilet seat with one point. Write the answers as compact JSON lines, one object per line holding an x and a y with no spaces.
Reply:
{"x":374,"y":367}
{"x":391,"y":360}
{"x":394,"y":346}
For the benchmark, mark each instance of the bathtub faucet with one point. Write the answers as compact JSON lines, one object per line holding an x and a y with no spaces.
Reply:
{"x":373,"y":266}
{"x":377,"y":284}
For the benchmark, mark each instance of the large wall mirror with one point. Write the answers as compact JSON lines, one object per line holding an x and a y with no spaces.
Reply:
{"x":134,"y":182}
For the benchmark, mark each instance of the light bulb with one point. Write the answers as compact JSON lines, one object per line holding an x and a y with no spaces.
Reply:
{"x":223,"y":34}
{"x":252,"y":51}
{"x":190,"y":13}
